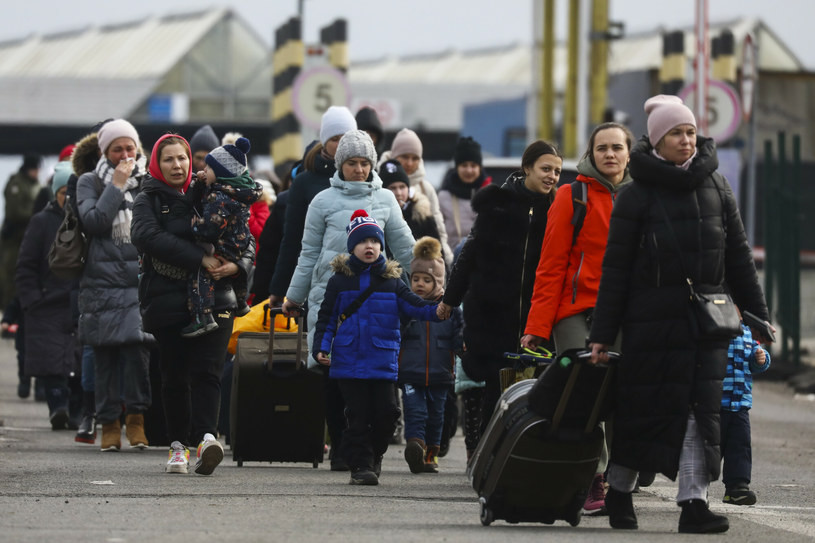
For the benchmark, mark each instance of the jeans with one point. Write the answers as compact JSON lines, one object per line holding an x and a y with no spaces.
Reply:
{"x":737,"y":451}
{"x":191,"y":371}
{"x":122,"y":373}
{"x":372,"y":413}
{"x":424,"y":411}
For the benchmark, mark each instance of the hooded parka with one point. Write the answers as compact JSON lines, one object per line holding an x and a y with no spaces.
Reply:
{"x":666,"y":372}
{"x":495,"y":272}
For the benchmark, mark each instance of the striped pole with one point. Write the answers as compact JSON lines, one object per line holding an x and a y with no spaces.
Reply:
{"x":672,"y":72}
{"x":287,"y":61}
{"x":724,"y":57}
{"x":335,"y":38}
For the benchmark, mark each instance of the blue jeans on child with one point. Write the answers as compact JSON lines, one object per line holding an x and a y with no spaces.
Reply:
{"x":737,"y":451}
{"x":424,"y":411}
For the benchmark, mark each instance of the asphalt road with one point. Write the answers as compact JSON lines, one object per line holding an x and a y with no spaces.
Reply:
{"x":52,"y":489}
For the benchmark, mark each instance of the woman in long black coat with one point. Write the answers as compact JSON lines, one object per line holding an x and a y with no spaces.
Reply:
{"x":48,"y":302}
{"x":495,"y":273}
{"x":669,"y":382}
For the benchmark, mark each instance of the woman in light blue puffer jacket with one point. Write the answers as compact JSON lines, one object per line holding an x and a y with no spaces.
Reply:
{"x":355,"y":185}
{"x":328,"y":214}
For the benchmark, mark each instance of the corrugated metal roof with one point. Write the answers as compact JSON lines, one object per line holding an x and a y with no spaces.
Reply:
{"x":86,"y":75}
{"x":512,"y":65}
{"x":142,"y":49}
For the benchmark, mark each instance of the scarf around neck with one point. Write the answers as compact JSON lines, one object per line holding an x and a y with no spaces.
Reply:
{"x":120,"y":230}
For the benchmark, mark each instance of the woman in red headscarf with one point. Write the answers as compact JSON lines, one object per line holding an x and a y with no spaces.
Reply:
{"x":190,"y":367}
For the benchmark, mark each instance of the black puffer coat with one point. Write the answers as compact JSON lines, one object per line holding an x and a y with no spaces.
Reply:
{"x":161,"y":230}
{"x":495,"y":273}
{"x":51,"y":346}
{"x":665,"y":372}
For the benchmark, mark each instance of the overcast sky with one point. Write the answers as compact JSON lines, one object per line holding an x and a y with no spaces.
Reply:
{"x":417,"y":26}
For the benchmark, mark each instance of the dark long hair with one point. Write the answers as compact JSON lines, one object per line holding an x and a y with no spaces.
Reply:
{"x":629,"y":138}
{"x":537,"y":149}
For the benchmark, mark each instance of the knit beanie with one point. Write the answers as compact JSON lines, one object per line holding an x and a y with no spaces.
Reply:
{"x":368,"y":120}
{"x":230,"y":160}
{"x":62,"y":172}
{"x":362,"y":227}
{"x":204,"y":139}
{"x":406,"y":142}
{"x":392,"y":172}
{"x":355,"y":143}
{"x":427,"y":259}
{"x":66,"y":152}
{"x":337,"y":120}
{"x":664,"y":113}
{"x":115,"y":129}
{"x":467,"y":150}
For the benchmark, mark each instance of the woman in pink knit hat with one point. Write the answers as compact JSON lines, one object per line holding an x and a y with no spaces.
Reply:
{"x":407,"y":150}
{"x":677,"y":222}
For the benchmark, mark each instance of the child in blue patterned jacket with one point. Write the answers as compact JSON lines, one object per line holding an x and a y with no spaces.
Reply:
{"x":358,"y":338}
{"x":427,"y":361}
{"x":744,"y":358}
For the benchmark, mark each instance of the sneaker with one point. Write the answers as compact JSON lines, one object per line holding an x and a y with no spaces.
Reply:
{"x":178,"y":459}
{"x":59,"y":419}
{"x":414,"y":455}
{"x":431,"y":459}
{"x":86,"y":433}
{"x":596,"y":500}
{"x":199,"y":327}
{"x":362,"y":476}
{"x":210,"y":453}
{"x":739,"y":496}
{"x":620,"y":509}
{"x":697,"y":518}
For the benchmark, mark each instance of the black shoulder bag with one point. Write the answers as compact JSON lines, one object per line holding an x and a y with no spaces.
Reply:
{"x":714,"y":314}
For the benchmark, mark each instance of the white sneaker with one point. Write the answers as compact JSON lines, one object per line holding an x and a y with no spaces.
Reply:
{"x":210,"y":453}
{"x":179,"y":459}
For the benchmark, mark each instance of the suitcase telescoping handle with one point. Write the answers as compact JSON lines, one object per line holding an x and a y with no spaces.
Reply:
{"x":278,"y":310}
{"x":581,"y":357}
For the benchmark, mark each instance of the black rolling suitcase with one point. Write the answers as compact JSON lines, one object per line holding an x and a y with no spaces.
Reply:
{"x":534,"y":468}
{"x":277,"y":411}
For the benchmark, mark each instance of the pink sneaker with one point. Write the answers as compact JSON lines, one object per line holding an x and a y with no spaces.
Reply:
{"x":596,"y":500}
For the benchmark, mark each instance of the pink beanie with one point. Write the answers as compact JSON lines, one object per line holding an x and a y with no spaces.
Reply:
{"x":113,"y":130}
{"x":406,"y":142}
{"x":664,"y":113}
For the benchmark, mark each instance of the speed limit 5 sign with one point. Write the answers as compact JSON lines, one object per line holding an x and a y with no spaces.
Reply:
{"x":317,"y":89}
{"x":723,"y":109}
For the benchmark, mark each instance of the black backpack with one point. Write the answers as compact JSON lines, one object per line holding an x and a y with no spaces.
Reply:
{"x":578,"y":207}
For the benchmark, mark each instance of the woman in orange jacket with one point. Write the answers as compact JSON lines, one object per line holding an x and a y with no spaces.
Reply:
{"x":568,"y":276}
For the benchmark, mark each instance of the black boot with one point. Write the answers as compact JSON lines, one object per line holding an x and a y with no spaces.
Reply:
{"x":620,"y":509}
{"x":697,"y":518}
{"x":87,"y":426}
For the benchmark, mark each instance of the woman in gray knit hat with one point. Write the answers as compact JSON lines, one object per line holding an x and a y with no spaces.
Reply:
{"x":355,"y":185}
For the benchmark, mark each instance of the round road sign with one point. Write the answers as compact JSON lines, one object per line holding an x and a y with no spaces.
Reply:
{"x":315,"y":90}
{"x":723,"y":109}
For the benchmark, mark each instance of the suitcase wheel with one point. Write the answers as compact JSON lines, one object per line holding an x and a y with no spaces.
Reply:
{"x":240,"y":463}
{"x":315,"y":464}
{"x":487,"y":516}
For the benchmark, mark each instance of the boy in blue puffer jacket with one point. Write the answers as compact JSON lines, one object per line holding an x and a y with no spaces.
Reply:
{"x":358,"y":338}
{"x":427,"y":361}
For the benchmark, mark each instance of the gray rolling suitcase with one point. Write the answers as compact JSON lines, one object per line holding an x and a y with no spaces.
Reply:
{"x":277,"y":410}
{"x":532,"y":468}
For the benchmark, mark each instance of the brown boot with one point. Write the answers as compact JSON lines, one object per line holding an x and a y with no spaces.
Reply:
{"x":112,"y":436}
{"x":414,"y":454}
{"x":134,"y":430}
{"x":431,"y":459}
